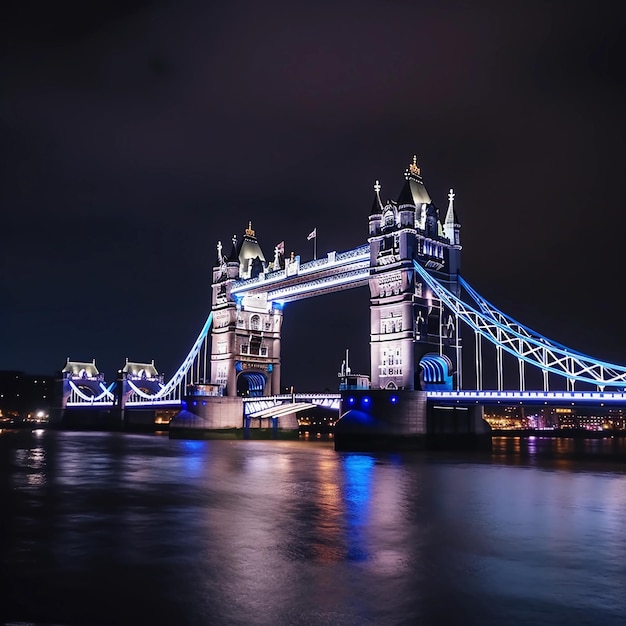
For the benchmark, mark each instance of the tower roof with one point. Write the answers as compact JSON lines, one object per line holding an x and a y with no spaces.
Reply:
{"x":77,"y":367}
{"x":414,"y":192}
{"x":249,"y":247}
{"x":138,"y":369}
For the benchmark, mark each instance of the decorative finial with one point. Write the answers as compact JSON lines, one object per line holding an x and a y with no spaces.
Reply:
{"x":220,"y":258}
{"x":451,"y":196}
{"x":249,"y":230}
{"x":377,"y":187}
{"x":414,"y":168}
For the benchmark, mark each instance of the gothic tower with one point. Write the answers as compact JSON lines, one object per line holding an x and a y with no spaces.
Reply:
{"x":245,"y":335}
{"x":414,"y":340}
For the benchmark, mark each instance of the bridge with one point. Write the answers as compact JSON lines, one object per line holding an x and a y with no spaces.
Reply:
{"x":432,"y":335}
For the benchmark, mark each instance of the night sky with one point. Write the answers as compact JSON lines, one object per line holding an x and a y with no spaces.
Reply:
{"x":136,"y":135}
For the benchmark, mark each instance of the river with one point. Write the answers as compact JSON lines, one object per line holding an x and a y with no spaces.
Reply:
{"x":120,"y":528}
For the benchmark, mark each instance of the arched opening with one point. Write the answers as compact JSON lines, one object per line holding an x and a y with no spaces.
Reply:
{"x":250,"y":384}
{"x":255,"y":322}
{"x":435,"y":372}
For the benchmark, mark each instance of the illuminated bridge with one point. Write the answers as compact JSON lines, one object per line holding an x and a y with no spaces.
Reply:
{"x":430,"y":331}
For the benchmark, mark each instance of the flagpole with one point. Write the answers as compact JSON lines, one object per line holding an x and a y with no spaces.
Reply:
{"x":313,"y":235}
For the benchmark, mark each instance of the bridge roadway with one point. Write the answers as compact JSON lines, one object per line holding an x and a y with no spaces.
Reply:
{"x":274,"y":406}
{"x":270,"y":406}
{"x":554,"y":398}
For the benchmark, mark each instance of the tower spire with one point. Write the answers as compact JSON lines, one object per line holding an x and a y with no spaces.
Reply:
{"x":234,"y":256}
{"x":451,"y":225}
{"x":377,"y":205}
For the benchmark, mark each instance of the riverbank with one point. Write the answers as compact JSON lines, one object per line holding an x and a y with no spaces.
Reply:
{"x":566,"y":433}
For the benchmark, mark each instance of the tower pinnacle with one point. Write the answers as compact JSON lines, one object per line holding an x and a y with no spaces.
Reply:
{"x":377,"y":207}
{"x":451,"y":225}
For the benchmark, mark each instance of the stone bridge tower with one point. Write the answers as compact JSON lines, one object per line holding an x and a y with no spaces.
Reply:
{"x":414,"y":341}
{"x":245,"y":335}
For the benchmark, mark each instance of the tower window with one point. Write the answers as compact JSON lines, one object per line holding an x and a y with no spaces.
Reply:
{"x":255,"y":322}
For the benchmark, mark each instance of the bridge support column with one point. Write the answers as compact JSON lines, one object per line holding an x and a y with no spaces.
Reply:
{"x":209,"y":417}
{"x":381,"y":419}
{"x":457,"y":426}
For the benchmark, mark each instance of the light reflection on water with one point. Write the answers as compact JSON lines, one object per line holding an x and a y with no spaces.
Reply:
{"x":111,"y":528}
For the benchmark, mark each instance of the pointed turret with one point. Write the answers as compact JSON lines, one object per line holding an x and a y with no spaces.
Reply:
{"x":232,"y":262}
{"x":376,"y":214}
{"x":233,"y":257}
{"x":451,"y":225}
{"x":407,"y":209}
{"x":377,"y":205}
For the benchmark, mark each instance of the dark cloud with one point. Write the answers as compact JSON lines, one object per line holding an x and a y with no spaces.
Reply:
{"x":135,"y":135}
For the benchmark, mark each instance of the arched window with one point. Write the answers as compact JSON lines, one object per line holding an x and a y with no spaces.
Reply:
{"x":255,"y":322}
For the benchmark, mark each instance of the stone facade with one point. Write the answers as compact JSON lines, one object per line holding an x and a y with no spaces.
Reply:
{"x":409,"y":326}
{"x":245,"y":334}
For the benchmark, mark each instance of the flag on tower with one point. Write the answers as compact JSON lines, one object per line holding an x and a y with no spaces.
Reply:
{"x":281,"y":247}
{"x":312,"y":234}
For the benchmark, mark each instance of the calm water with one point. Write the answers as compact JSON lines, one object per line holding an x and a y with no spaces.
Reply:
{"x":111,"y":528}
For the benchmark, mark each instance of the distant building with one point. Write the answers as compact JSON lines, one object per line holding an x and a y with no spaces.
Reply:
{"x":562,"y":418}
{"x":25,"y":396}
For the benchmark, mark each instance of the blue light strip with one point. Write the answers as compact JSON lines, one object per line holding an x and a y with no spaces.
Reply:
{"x":105,"y":396}
{"x":530,"y":396}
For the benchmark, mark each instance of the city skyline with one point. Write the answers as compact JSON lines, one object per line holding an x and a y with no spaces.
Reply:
{"x":138,"y":139}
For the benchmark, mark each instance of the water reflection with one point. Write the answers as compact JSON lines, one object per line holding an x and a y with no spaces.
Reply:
{"x":561,"y":452}
{"x":282,"y":533}
{"x":32,"y":465}
{"x":356,"y":498}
